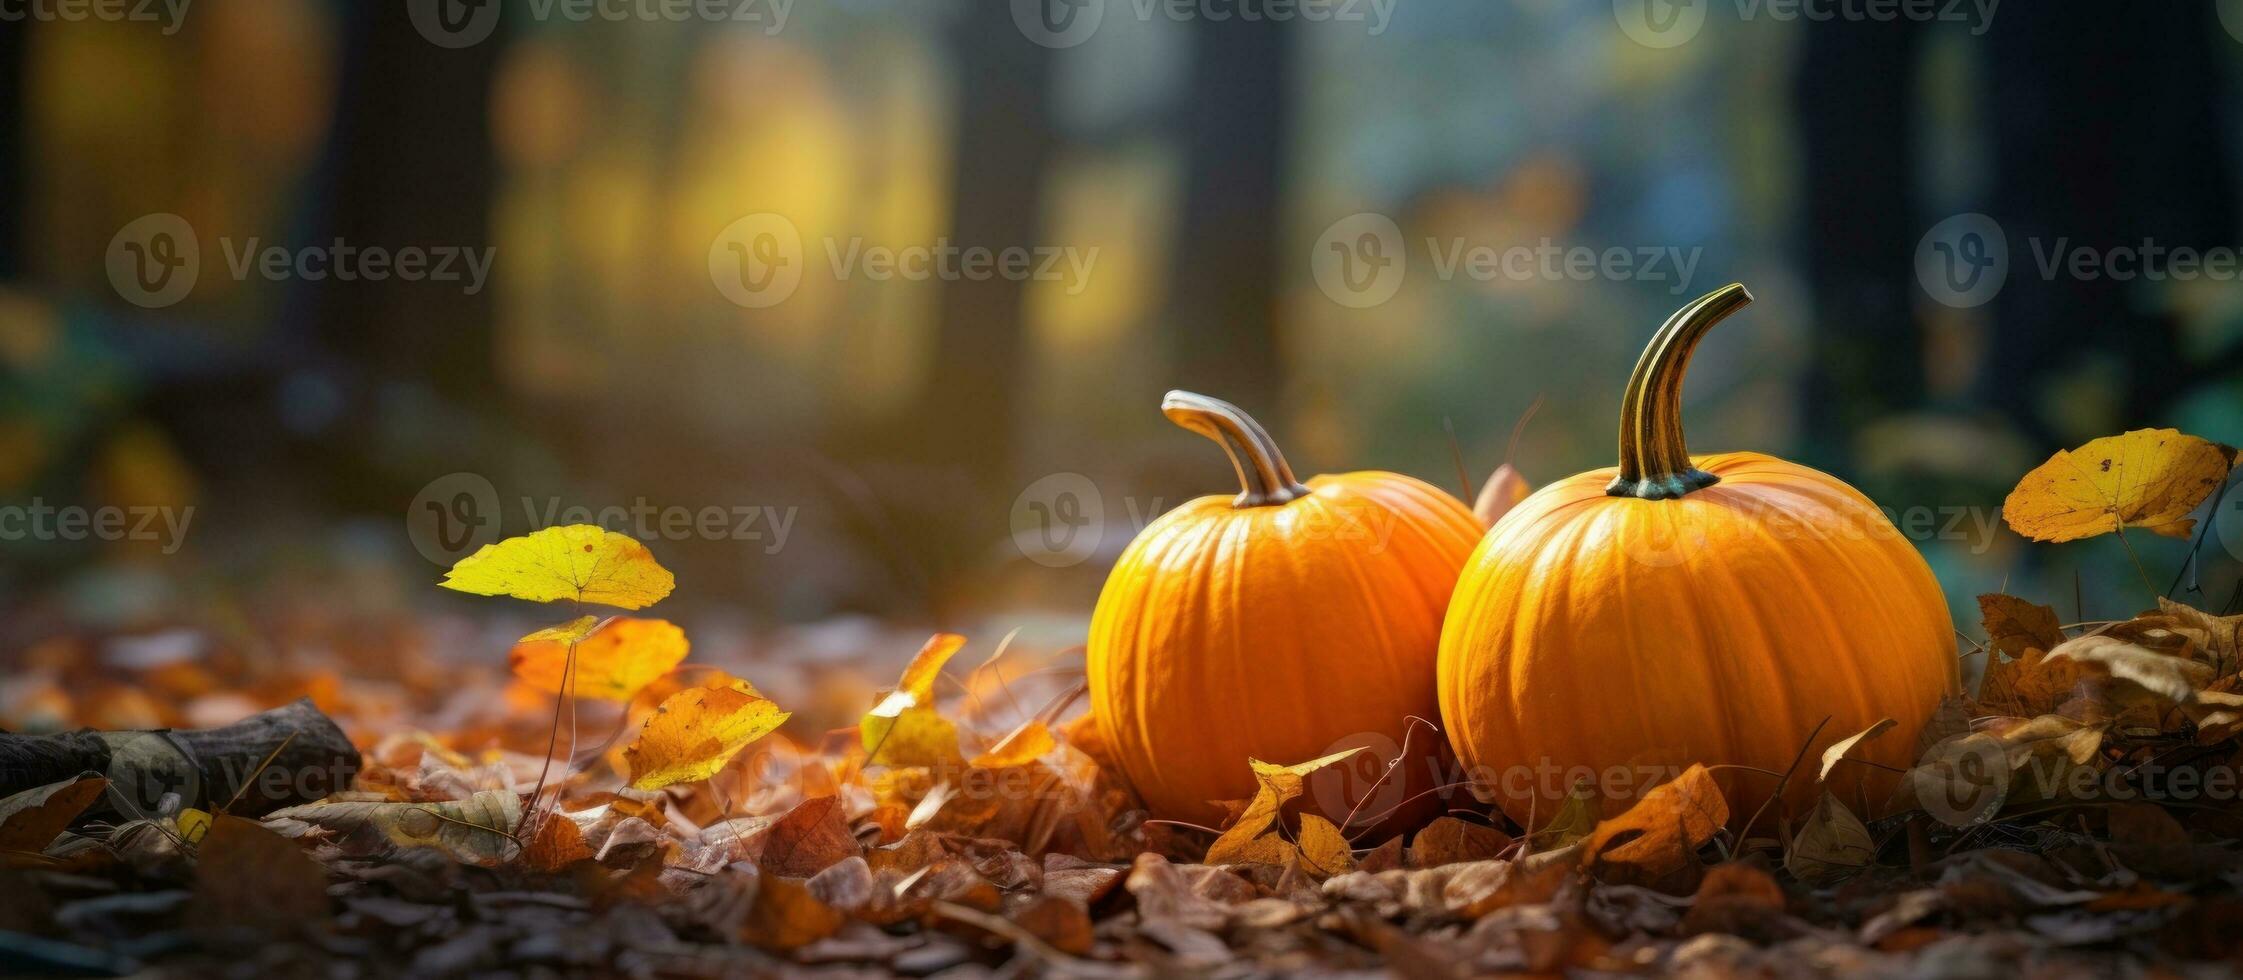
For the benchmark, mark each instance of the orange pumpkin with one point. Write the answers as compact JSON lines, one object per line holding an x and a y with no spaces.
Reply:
{"x":1282,"y":624}
{"x":1681,"y":609}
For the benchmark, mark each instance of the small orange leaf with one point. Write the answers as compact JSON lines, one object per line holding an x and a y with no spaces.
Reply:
{"x":614,"y":660}
{"x":1663,"y":831}
{"x":1031,"y":741}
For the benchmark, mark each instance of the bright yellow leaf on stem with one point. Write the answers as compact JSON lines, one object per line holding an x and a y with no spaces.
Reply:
{"x":615,"y":659}
{"x":2148,"y":478}
{"x":904,"y":729}
{"x":696,"y":731}
{"x":579,"y":562}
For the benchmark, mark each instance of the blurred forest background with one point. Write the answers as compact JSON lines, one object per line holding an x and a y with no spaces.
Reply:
{"x":911,"y":433}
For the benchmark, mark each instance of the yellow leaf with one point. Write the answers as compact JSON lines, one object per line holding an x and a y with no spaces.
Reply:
{"x":2148,"y":478}
{"x":696,"y":731}
{"x":1253,"y":839}
{"x":579,"y":562}
{"x":1031,"y":741}
{"x":193,"y":824}
{"x":1324,"y":852}
{"x":477,"y":830}
{"x":614,"y":659}
{"x":904,"y":729}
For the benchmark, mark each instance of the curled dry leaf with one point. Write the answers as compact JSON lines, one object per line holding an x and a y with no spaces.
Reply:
{"x":694,"y":732}
{"x":558,"y":843}
{"x":1836,"y":753}
{"x":1256,"y":838}
{"x":1661,"y":834}
{"x":477,"y":830}
{"x":2020,"y":679}
{"x":1832,"y":844}
{"x":576,"y":562}
{"x":1503,"y":491}
{"x":615,"y":659}
{"x":2148,"y":478}
{"x":2171,"y":677}
{"x":787,"y":916}
{"x":904,"y":729}
{"x":32,"y":819}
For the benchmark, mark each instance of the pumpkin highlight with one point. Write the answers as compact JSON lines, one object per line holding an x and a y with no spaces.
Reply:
{"x":1677,"y":609}
{"x":1283,"y":624}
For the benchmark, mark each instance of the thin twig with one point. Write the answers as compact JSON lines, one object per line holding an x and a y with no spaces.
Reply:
{"x":1746,"y":833}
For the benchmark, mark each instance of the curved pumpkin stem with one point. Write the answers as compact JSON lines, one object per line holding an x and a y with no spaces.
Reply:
{"x":1262,"y":472}
{"x":1654,"y":463}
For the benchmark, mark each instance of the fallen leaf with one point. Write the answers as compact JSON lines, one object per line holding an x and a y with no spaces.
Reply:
{"x":1023,"y":745}
{"x":1254,"y":838}
{"x":1572,"y":823}
{"x":1832,"y":844}
{"x":559,"y":843}
{"x":2165,"y":675}
{"x":1449,"y":840}
{"x":1661,"y":834}
{"x":810,"y":838}
{"x":787,"y":916}
{"x":32,"y":819}
{"x":615,"y":659}
{"x":1324,"y":852}
{"x":577,"y":562}
{"x":1734,"y":898}
{"x":477,"y":830}
{"x":904,"y":729}
{"x":1836,"y":753}
{"x":694,"y":732}
{"x":248,"y":878}
{"x":2147,"y":478}
{"x":1061,"y":923}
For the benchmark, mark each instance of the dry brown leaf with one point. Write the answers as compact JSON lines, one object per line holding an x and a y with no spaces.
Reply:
{"x":1832,"y":844}
{"x":2168,"y":676}
{"x":32,"y":819}
{"x":2148,"y":478}
{"x":476,"y":830}
{"x":1503,"y":491}
{"x":786,"y":916}
{"x":810,"y":838}
{"x":1661,"y":834}
{"x":1735,"y":898}
{"x":1061,"y":923}
{"x":559,"y":842}
{"x":248,"y":878}
{"x":1449,"y":840}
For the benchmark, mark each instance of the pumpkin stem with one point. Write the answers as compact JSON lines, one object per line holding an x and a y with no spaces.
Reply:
{"x":1262,"y":472}
{"x":1654,"y":463}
